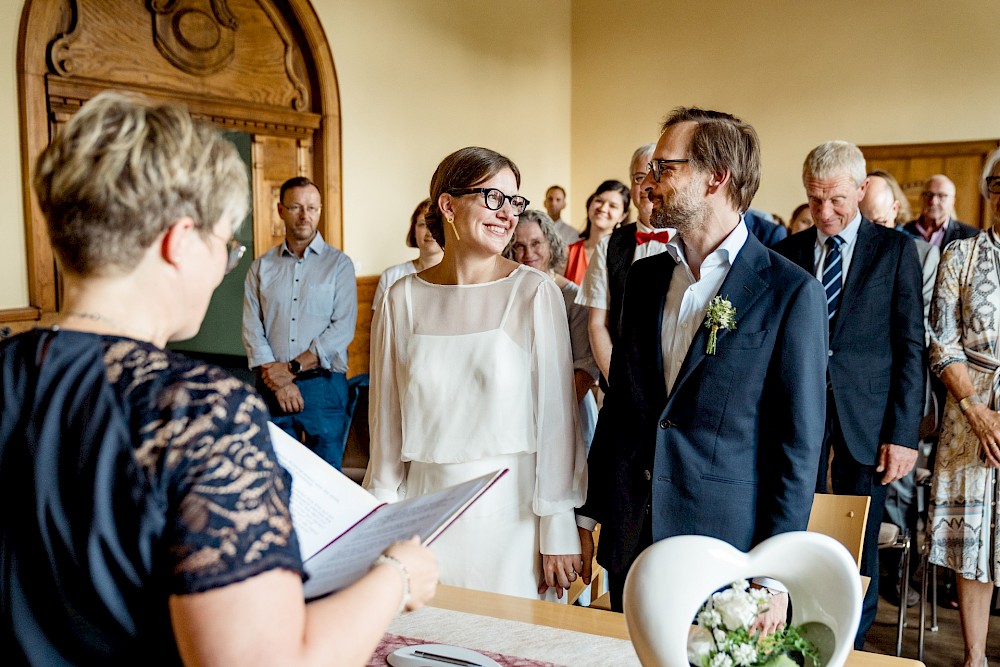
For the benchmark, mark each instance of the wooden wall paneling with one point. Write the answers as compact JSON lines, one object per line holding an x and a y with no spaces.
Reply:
{"x":961,"y":161}
{"x":122,"y":41}
{"x":359,"y":351}
{"x":262,"y":67}
{"x":41,"y":19}
{"x":965,"y":171}
{"x":275,"y":160}
{"x":327,"y":155}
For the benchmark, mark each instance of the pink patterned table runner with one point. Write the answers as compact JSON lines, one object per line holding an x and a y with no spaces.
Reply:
{"x":391,"y":643}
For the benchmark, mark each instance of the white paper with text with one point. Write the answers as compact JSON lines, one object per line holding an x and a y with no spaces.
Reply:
{"x":325,"y":502}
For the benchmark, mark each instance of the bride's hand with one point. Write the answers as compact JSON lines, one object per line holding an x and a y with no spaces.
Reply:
{"x":560,"y":572}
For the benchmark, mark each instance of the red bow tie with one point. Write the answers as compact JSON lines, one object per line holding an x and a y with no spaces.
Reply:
{"x":661,"y":235}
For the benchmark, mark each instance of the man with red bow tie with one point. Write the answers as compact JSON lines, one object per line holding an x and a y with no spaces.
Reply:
{"x":604,"y":284}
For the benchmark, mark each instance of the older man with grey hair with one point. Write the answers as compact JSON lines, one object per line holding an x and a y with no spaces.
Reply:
{"x":875,"y":373}
{"x":603,"y":286}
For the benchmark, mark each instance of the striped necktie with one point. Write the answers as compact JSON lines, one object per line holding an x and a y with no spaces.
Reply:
{"x":833,"y":272}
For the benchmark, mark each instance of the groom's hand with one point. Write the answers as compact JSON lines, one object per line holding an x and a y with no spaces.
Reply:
{"x":587,"y":553}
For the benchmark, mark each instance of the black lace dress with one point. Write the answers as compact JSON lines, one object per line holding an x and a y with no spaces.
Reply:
{"x":128,"y":473}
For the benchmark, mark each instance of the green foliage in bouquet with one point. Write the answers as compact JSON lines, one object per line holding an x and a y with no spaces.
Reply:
{"x":722,"y":635}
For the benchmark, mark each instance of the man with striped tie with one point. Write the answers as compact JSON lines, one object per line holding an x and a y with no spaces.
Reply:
{"x":875,"y":376}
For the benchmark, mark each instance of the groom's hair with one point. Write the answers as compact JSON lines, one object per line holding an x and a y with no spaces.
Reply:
{"x":722,"y":142}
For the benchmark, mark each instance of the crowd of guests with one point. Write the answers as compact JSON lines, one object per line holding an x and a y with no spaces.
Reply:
{"x":744,"y":365}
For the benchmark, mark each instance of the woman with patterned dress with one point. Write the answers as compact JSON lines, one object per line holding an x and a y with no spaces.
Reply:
{"x":146,"y":517}
{"x":471,"y":372}
{"x":965,"y":354}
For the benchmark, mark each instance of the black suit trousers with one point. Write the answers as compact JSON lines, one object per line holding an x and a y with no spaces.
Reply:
{"x":616,"y":580}
{"x":851,"y":478}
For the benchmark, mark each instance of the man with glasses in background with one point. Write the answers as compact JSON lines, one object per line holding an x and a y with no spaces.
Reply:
{"x":603,"y":286}
{"x":299,"y":312}
{"x":937,"y":224}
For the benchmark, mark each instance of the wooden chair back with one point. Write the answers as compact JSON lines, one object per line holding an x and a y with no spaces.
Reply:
{"x":843,"y":518}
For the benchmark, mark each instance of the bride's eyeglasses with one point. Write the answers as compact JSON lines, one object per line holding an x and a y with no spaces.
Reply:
{"x":494,"y":198}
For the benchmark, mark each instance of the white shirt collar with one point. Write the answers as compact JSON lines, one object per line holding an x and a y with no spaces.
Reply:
{"x":725,"y":253}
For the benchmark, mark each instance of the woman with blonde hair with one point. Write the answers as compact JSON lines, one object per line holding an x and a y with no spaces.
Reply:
{"x":153,"y":518}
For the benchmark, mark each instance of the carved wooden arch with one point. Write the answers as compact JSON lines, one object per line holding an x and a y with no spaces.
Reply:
{"x":263,"y":67}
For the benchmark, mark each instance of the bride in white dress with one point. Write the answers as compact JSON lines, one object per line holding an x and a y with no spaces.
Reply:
{"x":472,"y":371}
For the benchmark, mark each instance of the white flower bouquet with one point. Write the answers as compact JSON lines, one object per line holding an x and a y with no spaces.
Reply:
{"x":722,"y":635}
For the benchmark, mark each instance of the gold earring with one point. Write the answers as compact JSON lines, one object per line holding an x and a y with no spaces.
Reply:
{"x":451,"y":221}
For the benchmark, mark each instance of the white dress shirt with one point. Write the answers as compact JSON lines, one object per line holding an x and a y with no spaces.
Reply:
{"x":850,"y":235}
{"x":687,"y":298}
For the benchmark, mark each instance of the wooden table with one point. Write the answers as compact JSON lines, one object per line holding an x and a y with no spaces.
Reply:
{"x":581,"y":619}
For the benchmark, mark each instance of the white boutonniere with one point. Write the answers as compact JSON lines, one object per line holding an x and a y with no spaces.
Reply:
{"x":720,"y":315}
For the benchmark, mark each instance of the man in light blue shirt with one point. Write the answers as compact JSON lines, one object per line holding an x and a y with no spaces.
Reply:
{"x":299,"y":312}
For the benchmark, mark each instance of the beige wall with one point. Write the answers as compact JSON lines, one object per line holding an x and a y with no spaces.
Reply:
{"x":800,"y":72}
{"x":421,"y":79}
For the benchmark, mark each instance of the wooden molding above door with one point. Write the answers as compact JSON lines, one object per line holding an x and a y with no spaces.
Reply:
{"x":258,"y":66}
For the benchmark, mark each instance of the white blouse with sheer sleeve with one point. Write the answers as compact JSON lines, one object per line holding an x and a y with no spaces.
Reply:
{"x":467,"y":379}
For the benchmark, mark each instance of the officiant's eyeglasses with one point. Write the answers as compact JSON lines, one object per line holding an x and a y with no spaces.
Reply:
{"x":656,"y":166}
{"x":234,"y":250}
{"x":993,"y":185}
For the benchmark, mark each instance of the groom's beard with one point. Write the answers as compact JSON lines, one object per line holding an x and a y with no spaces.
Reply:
{"x":684,"y":212}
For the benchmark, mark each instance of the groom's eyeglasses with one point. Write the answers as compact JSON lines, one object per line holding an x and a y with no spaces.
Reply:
{"x":656,"y":166}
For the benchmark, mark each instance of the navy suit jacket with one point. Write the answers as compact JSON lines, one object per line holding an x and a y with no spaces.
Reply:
{"x":732,"y":451}
{"x":763,"y":226}
{"x":877,"y":340}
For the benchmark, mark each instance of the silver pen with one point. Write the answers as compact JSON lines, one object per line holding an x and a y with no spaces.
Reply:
{"x":446,"y":659}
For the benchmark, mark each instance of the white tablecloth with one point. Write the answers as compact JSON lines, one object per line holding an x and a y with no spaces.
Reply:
{"x":537,"y":642}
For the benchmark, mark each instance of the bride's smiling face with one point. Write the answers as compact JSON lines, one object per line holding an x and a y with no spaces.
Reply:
{"x":480,"y":228}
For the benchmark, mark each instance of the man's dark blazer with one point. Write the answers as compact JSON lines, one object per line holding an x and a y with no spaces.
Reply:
{"x":763,"y":226}
{"x":956,"y":229}
{"x":877,"y":339}
{"x":621,"y":250}
{"x":732,"y":451}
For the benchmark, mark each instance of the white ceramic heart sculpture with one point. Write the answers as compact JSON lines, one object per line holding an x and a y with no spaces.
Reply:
{"x":670,"y":581}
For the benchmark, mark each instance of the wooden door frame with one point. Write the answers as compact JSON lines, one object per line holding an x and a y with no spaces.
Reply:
{"x":38,"y":85}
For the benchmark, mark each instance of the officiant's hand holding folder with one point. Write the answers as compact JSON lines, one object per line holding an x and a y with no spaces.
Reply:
{"x":342,"y":528}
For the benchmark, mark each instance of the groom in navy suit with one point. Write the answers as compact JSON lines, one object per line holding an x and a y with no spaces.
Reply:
{"x":719,"y":440}
{"x":875,"y":392}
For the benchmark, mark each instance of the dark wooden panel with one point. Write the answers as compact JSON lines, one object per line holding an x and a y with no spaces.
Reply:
{"x":961,"y":161}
